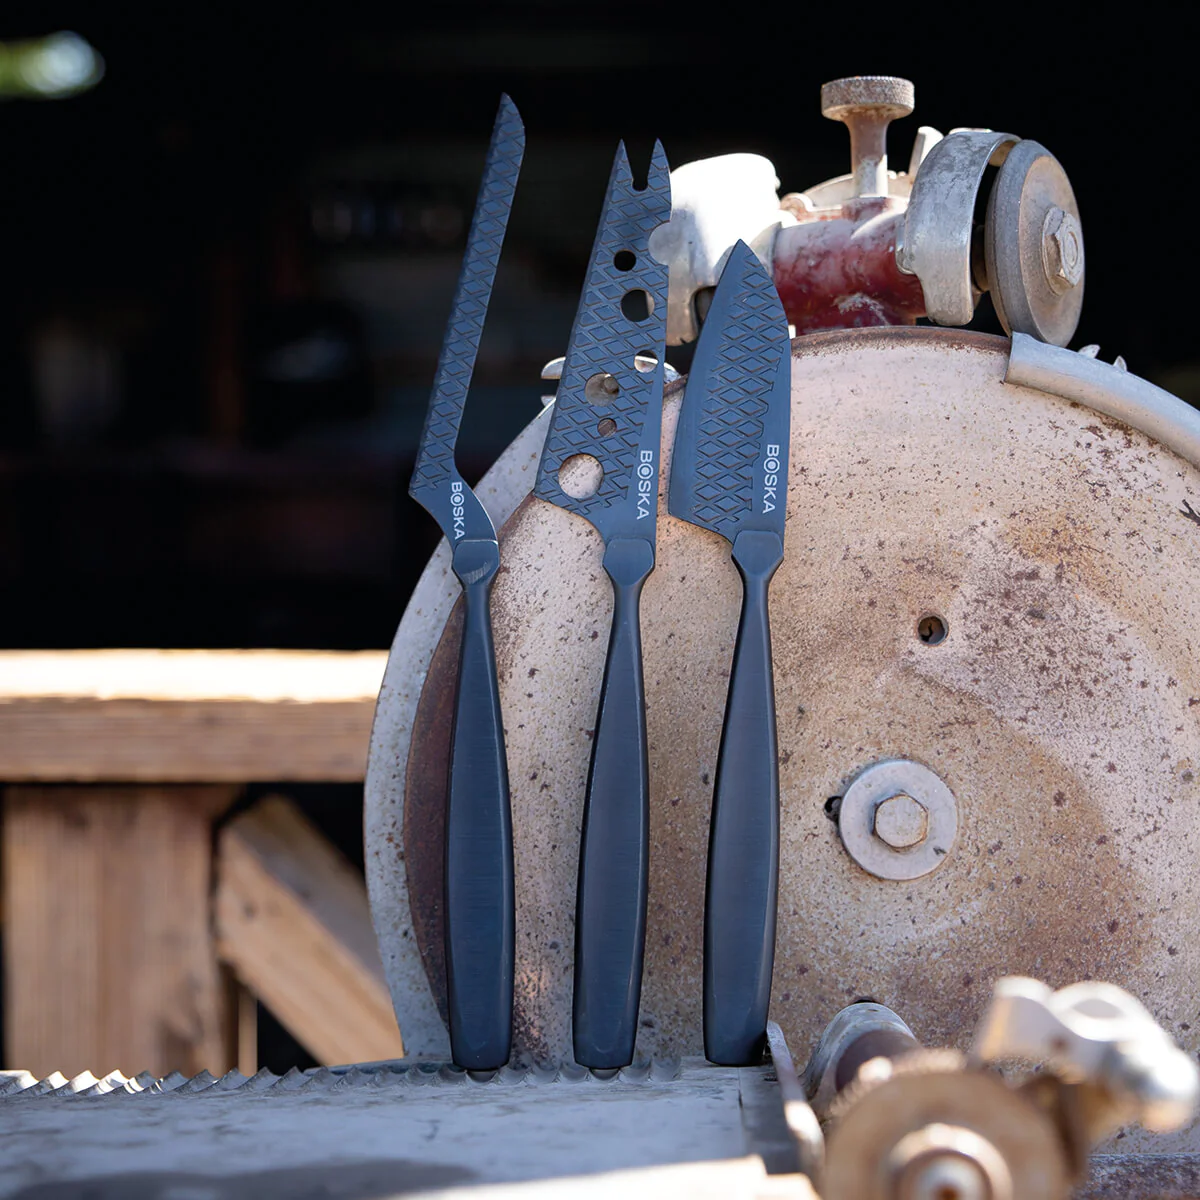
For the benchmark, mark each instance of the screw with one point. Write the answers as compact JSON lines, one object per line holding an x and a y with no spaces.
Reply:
{"x":1062,"y":250}
{"x":901,"y":822}
{"x":868,"y":104}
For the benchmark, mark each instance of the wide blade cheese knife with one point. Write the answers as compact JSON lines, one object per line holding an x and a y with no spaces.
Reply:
{"x":729,"y":475}
{"x":479,"y":852}
{"x":601,"y":461}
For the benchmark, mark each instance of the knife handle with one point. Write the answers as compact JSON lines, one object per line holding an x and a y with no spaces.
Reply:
{"x":743,"y":847}
{"x":610,"y":912}
{"x":479,"y":850}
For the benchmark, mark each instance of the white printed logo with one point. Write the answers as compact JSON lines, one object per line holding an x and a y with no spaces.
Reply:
{"x":645,"y":483}
{"x":456,"y":509}
{"x":770,"y":477}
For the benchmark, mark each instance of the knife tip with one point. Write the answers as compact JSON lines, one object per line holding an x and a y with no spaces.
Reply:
{"x":508,"y":113}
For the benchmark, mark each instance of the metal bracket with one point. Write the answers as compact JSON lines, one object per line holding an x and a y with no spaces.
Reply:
{"x":940,"y":221}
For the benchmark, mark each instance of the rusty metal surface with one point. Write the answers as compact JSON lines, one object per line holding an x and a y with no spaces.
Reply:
{"x":841,"y":272}
{"x":1063,"y":707}
{"x":1138,"y":1177}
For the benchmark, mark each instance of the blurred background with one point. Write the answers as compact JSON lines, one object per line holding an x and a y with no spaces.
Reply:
{"x":227,"y":266}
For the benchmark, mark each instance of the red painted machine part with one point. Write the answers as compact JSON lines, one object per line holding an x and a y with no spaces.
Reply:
{"x":839,"y":272}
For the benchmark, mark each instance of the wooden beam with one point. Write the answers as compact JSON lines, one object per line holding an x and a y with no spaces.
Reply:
{"x":110,"y":961}
{"x":188,"y":716}
{"x":293,"y":921}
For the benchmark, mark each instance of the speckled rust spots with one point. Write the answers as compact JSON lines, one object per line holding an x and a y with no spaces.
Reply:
{"x":1060,"y":708}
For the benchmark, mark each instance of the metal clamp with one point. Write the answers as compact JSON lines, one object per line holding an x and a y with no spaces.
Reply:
{"x":1097,"y":1034}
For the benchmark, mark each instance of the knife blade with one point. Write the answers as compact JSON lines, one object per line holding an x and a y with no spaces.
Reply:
{"x":478,"y":851}
{"x":729,"y":475}
{"x":607,"y":417}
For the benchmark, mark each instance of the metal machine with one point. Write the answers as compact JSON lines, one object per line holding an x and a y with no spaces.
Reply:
{"x":987,"y":717}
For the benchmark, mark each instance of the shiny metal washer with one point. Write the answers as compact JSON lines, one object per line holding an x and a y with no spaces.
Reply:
{"x":879,"y":782}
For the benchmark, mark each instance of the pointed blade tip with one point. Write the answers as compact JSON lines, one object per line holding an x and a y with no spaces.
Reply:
{"x":508,"y":105}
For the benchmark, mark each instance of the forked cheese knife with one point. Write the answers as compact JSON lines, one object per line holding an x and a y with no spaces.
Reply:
{"x":479,"y":852}
{"x":601,"y":461}
{"x":729,"y":475}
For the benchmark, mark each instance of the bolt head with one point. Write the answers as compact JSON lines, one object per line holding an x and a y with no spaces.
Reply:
{"x":1062,"y":250}
{"x":901,"y":822}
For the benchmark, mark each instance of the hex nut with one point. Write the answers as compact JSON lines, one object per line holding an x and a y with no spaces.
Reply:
{"x":866,"y":800}
{"x":1062,"y":250}
{"x":901,"y":822}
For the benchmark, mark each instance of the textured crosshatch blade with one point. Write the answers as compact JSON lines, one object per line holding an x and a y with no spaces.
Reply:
{"x":604,"y":340}
{"x":736,"y":408}
{"x":435,"y":469}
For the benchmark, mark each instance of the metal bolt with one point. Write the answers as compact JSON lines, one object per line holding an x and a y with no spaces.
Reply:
{"x":868,"y":104}
{"x":901,"y":822}
{"x":1062,"y":250}
{"x":898,"y":820}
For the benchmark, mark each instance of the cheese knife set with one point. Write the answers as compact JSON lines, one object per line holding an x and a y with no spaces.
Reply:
{"x":600,"y":462}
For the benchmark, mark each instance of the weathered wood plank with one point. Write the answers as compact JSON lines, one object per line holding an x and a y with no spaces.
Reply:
{"x":108,"y":944}
{"x":186,"y":715}
{"x":293,"y":921}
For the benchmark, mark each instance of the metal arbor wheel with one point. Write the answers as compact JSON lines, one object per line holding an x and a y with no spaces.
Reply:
{"x":1033,"y":246}
{"x":925,"y":1109}
{"x":1060,"y":708}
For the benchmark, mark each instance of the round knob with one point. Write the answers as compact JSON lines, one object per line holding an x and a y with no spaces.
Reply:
{"x":881,"y":95}
{"x":867,"y":104}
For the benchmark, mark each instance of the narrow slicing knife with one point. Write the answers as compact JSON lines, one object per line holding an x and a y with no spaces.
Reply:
{"x":479,"y":853}
{"x":729,"y":475}
{"x":607,"y":424}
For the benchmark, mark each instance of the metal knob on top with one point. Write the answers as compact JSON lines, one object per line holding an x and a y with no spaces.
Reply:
{"x":867,"y":105}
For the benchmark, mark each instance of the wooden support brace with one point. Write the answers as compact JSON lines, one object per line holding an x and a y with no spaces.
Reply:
{"x":111,"y":962}
{"x":294,"y":923}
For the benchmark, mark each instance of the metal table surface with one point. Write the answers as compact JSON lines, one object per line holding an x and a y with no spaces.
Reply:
{"x":383,"y":1130}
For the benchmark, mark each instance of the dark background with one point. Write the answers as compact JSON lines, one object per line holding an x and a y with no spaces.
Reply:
{"x":226,"y":269}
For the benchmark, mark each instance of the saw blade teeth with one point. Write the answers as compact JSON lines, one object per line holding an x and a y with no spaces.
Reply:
{"x":25,"y":1086}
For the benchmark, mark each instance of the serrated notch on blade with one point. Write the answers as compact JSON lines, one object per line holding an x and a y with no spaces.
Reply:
{"x":729,"y":468}
{"x":617,"y":416}
{"x":436,"y":483}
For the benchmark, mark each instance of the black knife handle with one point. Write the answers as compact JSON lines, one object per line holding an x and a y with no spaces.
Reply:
{"x":479,"y":850}
{"x":743,"y":847}
{"x":610,"y":912}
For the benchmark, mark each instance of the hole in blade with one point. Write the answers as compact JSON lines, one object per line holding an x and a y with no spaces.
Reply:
{"x":637,"y":305}
{"x":601,"y":388}
{"x":580,"y":476}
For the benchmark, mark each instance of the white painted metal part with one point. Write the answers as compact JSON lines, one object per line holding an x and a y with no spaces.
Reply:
{"x":714,"y":203}
{"x":1094,"y":1033}
{"x":1111,"y":390}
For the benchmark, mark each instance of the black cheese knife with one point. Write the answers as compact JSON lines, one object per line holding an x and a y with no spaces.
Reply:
{"x":729,"y":475}
{"x":601,"y":461}
{"x":479,"y":852}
